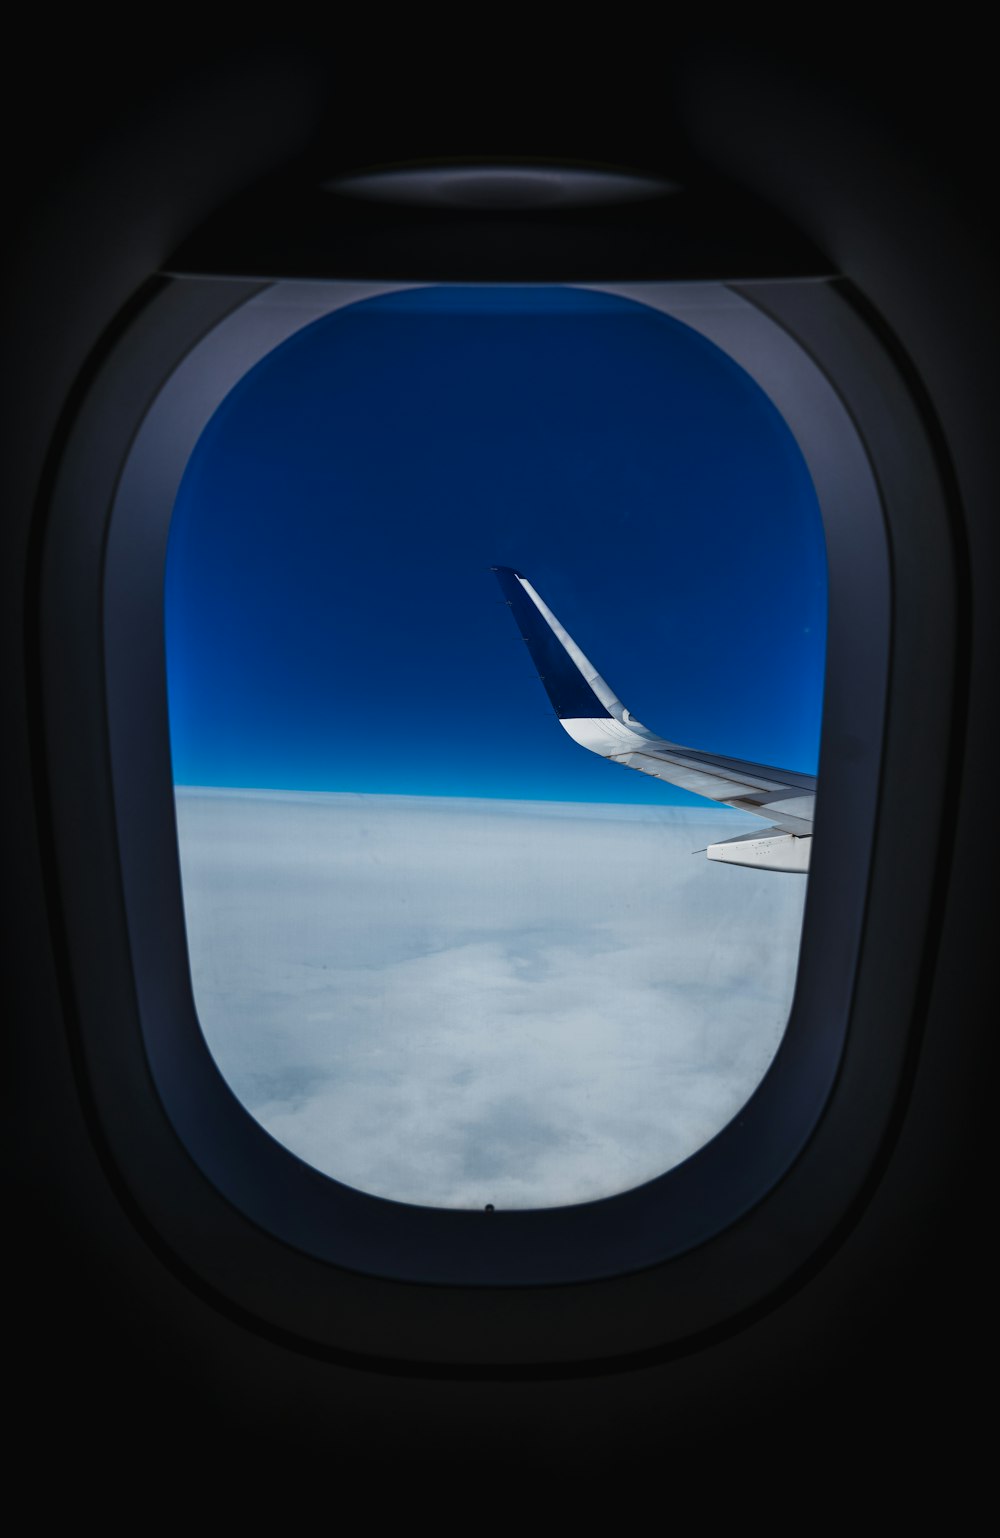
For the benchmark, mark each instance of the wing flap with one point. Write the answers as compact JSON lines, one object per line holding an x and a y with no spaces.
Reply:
{"x":701,"y":781}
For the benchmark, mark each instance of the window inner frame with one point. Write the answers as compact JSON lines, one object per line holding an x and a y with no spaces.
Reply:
{"x":705,"y":1239}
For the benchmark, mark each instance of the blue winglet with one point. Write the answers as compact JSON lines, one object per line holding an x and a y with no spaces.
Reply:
{"x":565,"y":685}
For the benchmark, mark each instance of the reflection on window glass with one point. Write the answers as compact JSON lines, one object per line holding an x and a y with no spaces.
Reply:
{"x":439,"y":950}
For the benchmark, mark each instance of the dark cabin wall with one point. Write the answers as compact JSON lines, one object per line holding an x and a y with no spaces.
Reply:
{"x":871,"y":1361}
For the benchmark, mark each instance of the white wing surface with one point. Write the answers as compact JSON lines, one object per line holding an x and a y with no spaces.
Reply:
{"x":594,"y":716}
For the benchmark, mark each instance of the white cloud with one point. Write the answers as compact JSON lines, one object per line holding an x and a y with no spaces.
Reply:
{"x":458,"y":1002}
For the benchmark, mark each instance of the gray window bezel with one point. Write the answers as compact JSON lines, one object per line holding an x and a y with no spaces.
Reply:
{"x":670,"y":1249}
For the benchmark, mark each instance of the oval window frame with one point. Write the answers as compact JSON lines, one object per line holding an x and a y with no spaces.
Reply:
{"x":172,"y":1124}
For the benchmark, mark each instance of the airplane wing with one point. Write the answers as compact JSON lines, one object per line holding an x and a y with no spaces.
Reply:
{"x":594,"y":716}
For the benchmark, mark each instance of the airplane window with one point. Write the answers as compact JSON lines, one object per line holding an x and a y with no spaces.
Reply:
{"x":440,"y":950}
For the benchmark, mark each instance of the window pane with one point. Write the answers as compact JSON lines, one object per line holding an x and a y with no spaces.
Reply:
{"x":438,"y":949}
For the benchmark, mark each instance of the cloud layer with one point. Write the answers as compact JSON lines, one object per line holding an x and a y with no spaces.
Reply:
{"x":454,"y":1002}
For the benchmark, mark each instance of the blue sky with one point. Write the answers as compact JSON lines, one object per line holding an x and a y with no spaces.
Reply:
{"x":332,"y":622}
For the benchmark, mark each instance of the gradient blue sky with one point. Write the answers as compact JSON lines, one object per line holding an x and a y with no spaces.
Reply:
{"x":331,"y":619}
